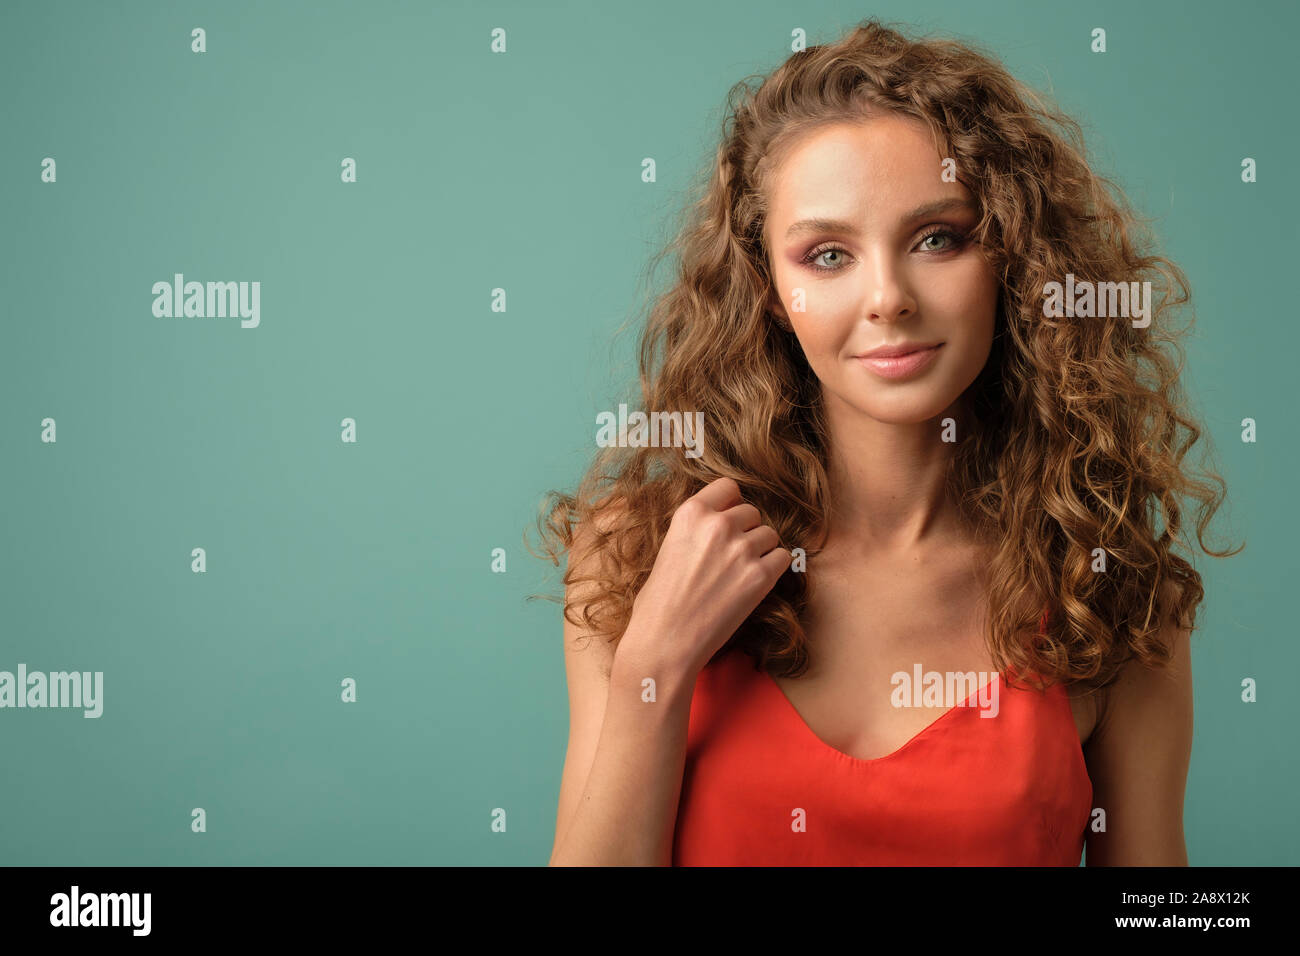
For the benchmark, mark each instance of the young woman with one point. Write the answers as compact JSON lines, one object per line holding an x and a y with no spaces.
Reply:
{"x":911,"y":470}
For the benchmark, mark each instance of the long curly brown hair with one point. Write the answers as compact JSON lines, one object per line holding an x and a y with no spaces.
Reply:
{"x":1080,"y":427}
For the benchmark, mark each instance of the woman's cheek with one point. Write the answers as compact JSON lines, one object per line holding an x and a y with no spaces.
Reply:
{"x":821,"y":353}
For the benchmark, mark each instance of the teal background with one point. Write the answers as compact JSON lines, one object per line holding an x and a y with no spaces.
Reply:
{"x":475,"y":171}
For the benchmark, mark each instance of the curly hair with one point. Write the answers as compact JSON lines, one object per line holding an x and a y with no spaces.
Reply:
{"x":1080,"y":428}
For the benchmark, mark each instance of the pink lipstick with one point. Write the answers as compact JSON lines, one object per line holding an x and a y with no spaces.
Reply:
{"x":899,"y":361}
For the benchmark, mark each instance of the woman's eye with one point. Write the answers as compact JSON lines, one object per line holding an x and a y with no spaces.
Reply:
{"x":816,"y":254}
{"x":953,"y":238}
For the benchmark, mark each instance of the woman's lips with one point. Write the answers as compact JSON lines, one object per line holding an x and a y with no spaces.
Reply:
{"x":900,"y":366}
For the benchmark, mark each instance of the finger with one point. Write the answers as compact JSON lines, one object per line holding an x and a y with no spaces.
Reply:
{"x":776,"y":562}
{"x":720,"y":494}
{"x":743,"y":517}
{"x":762,"y":539}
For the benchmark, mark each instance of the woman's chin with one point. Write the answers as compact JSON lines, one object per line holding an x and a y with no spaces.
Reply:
{"x":903,"y":409}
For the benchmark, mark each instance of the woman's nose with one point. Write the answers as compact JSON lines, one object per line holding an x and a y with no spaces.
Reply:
{"x":888,"y":291}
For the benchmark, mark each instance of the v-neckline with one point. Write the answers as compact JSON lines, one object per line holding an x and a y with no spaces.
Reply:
{"x":867,"y":761}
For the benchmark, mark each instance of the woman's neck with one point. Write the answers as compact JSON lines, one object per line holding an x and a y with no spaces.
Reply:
{"x":888,"y":482}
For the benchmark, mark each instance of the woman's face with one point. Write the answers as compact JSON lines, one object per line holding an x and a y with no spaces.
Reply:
{"x":868,"y":239}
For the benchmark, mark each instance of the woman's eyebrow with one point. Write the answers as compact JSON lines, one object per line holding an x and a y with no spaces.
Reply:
{"x":840,"y":225}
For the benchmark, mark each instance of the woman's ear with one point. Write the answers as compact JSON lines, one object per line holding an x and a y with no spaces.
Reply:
{"x":776,"y":309}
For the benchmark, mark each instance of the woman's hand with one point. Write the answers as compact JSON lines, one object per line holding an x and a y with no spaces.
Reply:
{"x":714,"y":566}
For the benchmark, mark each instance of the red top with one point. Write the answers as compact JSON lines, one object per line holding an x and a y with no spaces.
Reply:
{"x":1011,"y":790}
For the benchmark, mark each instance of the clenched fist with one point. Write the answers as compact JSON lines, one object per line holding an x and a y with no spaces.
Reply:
{"x":714,"y":566}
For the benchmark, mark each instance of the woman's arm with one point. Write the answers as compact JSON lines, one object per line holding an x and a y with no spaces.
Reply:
{"x":623,"y":769}
{"x":1138,"y":758}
